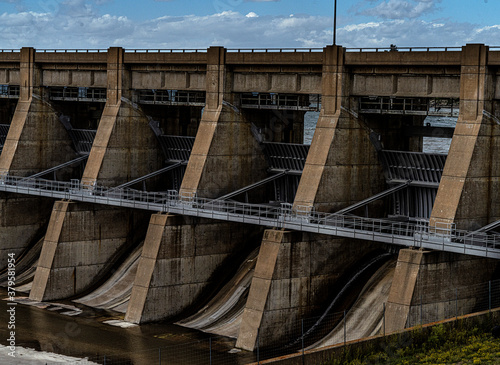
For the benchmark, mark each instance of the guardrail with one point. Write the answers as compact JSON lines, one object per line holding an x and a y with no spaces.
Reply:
{"x":274,"y":50}
{"x":253,"y":50}
{"x":402,"y":49}
{"x":420,"y":234}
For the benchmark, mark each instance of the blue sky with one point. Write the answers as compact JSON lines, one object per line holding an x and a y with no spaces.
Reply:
{"x":246,"y":23}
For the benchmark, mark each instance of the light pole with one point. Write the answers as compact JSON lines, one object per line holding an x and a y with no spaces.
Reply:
{"x":335,"y":22}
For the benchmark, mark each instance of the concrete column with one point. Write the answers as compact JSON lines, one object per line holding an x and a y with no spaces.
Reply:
{"x":124,"y":148}
{"x":426,"y":283}
{"x":341,"y":155}
{"x":225,"y":155}
{"x":295,"y":277}
{"x":35,"y":142}
{"x":182,"y":258}
{"x":469,"y":191}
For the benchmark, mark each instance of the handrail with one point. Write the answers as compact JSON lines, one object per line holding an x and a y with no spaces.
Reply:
{"x":418,"y":234}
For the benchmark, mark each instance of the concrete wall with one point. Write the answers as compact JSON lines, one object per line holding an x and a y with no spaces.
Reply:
{"x":81,"y":244}
{"x":295,"y":277}
{"x":425,"y":281}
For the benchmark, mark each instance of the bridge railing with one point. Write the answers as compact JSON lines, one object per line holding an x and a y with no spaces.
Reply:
{"x":399,"y":233}
{"x":274,"y":50}
{"x":402,"y":49}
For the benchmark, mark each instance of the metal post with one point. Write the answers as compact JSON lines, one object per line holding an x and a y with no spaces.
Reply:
{"x":303,"y":360}
{"x":104,"y":359}
{"x":456,"y":302}
{"x":345,"y":332}
{"x":258,"y":357}
{"x":335,"y":23}
{"x":420,"y":309}
{"x":383,"y":318}
{"x":159,"y":356}
{"x":489,"y":295}
{"x":210,"y":345}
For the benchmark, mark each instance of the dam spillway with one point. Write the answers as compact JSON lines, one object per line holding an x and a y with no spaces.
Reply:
{"x":200,"y":155}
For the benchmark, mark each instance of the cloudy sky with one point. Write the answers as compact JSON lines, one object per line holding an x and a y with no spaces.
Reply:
{"x":246,"y":23}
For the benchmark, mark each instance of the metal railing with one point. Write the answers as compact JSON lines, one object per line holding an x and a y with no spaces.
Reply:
{"x":69,"y":50}
{"x":403,"y":49}
{"x":174,"y":50}
{"x":445,"y":238}
{"x":274,"y":50}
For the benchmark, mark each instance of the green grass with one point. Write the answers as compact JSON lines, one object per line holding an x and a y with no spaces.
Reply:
{"x":440,"y":346}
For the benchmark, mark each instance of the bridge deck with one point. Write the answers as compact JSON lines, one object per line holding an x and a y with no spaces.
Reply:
{"x":378,"y":230}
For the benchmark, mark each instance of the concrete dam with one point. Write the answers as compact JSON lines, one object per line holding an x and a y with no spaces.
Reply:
{"x":176,"y":184}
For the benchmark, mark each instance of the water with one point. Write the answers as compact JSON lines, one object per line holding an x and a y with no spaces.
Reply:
{"x":86,"y":335}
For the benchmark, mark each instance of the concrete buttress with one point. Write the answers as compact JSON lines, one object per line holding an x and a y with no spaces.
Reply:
{"x":294,"y":279}
{"x":468,"y":194}
{"x":341,"y":154}
{"x":426,"y":282}
{"x":124,"y":148}
{"x":181,"y":259}
{"x":36,"y":141}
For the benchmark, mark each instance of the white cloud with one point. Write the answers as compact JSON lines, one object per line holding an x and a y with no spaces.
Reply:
{"x":76,"y":24}
{"x":397,"y":9}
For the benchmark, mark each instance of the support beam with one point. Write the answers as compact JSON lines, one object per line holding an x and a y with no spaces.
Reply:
{"x":378,"y":196}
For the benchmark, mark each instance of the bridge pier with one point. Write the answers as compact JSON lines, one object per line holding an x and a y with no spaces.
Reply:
{"x":35,"y":142}
{"x":124,"y":148}
{"x":293,"y":279}
{"x":182,"y":258}
{"x":225,"y":155}
{"x":341,"y":155}
{"x":81,"y":245}
{"x":431,"y":285}
{"x":468,"y":192}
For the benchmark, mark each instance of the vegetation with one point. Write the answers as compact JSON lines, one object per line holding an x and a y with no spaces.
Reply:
{"x":440,"y":345}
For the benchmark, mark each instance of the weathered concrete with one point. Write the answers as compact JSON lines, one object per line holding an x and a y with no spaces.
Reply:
{"x":341,"y":154}
{"x":468,"y":193}
{"x":425,"y":281}
{"x":124,"y":148}
{"x":81,"y":245}
{"x":293,"y":279}
{"x":225,"y":155}
{"x":35,"y":142}
{"x":181,"y":259}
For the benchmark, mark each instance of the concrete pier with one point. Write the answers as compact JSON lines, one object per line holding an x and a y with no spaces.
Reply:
{"x":182,"y":258}
{"x":426,"y":283}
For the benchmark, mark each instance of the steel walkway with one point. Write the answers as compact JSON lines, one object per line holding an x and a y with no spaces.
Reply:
{"x":397,"y":233}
